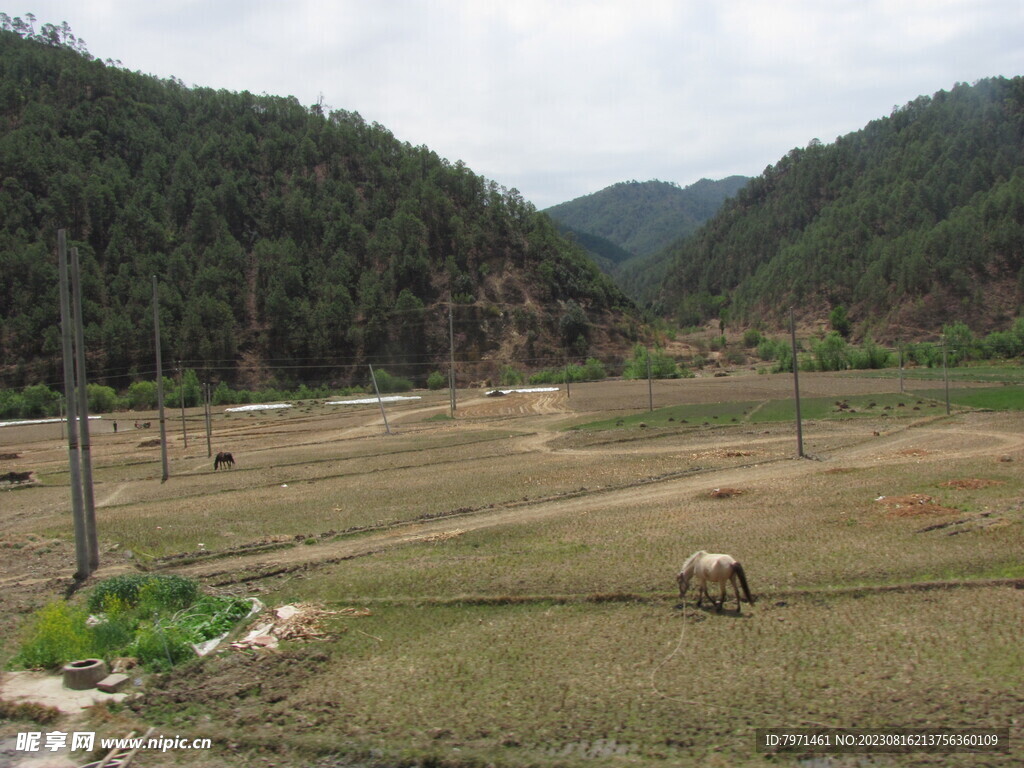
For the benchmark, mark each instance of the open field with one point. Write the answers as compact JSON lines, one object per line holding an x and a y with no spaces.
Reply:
{"x":518,"y":564}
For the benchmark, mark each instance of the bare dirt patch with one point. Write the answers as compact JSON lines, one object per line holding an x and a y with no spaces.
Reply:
{"x":914,"y":505}
{"x":725,"y":493}
{"x":228,"y":680}
{"x":721,"y":453}
{"x":970,"y":483}
{"x":33,"y":569}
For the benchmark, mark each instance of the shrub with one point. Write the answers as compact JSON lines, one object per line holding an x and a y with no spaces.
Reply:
{"x":388,"y":383}
{"x":840,"y":321}
{"x":211,"y":616}
{"x":736,"y":357}
{"x":158,"y":592}
{"x":924,"y":353}
{"x":1002,"y":344}
{"x":832,"y":353}
{"x":773,"y":349}
{"x":114,"y":634}
{"x":783,"y":359}
{"x":10,"y":404}
{"x":39,"y":400}
{"x":56,"y":635}
{"x":222,"y":394}
{"x":960,"y":342}
{"x":548,"y":376}
{"x":437,"y":380}
{"x":594,"y":370}
{"x":752,"y":337}
{"x":870,"y":355}
{"x":142,"y":395}
{"x":159,"y":646}
{"x":661,"y":365}
{"x":156,"y":618}
{"x":102,"y":399}
{"x":509,"y":376}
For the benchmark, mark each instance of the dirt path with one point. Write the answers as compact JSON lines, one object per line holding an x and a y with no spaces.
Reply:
{"x":113,"y":496}
{"x":914,"y":445}
{"x":537,"y":419}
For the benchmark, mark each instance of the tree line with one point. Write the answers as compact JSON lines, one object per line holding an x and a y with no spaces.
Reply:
{"x":829,"y":351}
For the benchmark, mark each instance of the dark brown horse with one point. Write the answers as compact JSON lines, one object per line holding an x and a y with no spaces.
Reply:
{"x":223,"y":459}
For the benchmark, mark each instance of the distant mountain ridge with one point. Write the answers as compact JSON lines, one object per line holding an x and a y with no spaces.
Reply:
{"x":645,"y":217}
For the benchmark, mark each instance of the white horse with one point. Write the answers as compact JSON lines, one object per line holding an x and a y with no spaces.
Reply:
{"x":713,"y":567}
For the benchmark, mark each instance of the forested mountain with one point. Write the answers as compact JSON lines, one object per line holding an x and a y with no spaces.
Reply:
{"x":607,"y":254}
{"x":289,"y":242}
{"x":913,"y":222}
{"x":645,"y":217}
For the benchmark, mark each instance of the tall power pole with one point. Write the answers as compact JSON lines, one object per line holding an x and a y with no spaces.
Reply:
{"x":206,"y":411}
{"x":380,"y":402}
{"x":451,"y":358}
{"x":74,"y":466}
{"x":796,"y":387}
{"x":181,"y":400}
{"x":650,"y":384}
{"x":945,"y":374}
{"x":85,"y":444}
{"x":160,"y":384}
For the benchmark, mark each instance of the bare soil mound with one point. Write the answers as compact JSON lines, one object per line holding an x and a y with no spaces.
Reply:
{"x":914,"y":505}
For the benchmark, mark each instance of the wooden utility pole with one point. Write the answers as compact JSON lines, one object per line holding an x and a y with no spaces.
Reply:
{"x":796,"y":387}
{"x":74,"y":466}
{"x":85,"y":444}
{"x":945,"y":374}
{"x":379,"y":401}
{"x":160,"y":384}
{"x":206,"y":411}
{"x":181,"y":400}
{"x":451,"y":358}
{"x":899,"y":347}
{"x":650,"y":384}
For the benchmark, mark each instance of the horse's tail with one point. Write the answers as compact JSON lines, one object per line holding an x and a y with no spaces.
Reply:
{"x":743,"y":582}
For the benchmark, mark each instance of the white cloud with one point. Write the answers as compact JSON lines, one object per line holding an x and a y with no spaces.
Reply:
{"x":562,"y":97}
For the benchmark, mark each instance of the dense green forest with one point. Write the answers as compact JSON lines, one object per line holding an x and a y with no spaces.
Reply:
{"x":911,"y":223}
{"x":606,"y":254}
{"x":643,"y":218}
{"x":628,"y":227}
{"x":292,"y":244}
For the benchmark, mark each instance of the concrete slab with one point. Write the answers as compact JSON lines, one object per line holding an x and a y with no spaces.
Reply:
{"x":114,"y":683}
{"x":49,"y":690}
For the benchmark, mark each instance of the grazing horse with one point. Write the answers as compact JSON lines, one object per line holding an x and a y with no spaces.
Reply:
{"x":713,"y":567}
{"x":223,"y":458}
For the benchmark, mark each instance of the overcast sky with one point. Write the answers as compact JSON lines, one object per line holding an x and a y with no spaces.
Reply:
{"x":561,"y":98}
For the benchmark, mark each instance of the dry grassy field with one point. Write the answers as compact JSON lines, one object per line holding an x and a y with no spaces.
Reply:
{"x":518,"y":566}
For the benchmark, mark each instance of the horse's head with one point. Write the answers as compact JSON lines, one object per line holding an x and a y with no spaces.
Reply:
{"x":686,"y":572}
{"x":684,"y":583}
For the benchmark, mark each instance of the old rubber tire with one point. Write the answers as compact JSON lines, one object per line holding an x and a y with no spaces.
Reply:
{"x":84,"y":674}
